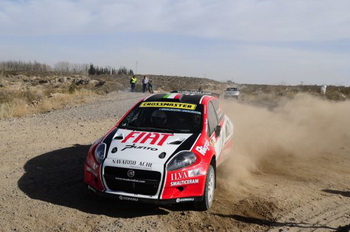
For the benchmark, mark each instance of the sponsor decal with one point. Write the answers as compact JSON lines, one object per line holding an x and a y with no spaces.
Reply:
{"x":176,"y":105}
{"x":178,"y":200}
{"x":122,"y":198}
{"x":184,"y":182}
{"x":126,"y":162}
{"x":184,"y":175}
{"x":145,"y":164}
{"x":178,"y":176}
{"x":147,"y":137}
{"x":133,"y":163}
{"x":139,"y":147}
{"x":203,"y":149}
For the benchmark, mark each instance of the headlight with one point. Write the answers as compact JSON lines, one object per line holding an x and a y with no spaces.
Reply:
{"x":181,"y":160}
{"x":100,"y":152}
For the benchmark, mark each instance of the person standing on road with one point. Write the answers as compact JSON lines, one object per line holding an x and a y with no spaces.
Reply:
{"x":150,"y":86}
{"x":144,"y":83}
{"x":133,"y":81}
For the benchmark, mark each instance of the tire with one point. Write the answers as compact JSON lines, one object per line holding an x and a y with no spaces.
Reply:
{"x":209,"y":190}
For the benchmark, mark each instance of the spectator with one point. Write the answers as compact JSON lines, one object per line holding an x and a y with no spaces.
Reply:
{"x":144,"y":83}
{"x":133,"y":81}
{"x":150,"y":86}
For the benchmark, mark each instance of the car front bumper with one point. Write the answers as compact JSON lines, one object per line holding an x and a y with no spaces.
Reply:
{"x":146,"y":200}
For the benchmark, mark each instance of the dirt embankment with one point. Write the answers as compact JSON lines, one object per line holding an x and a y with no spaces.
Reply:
{"x":289,"y":171}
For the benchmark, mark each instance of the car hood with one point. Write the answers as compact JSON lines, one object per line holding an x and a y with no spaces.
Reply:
{"x":145,"y":150}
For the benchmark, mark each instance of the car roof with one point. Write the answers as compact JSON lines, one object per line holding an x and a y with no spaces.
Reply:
{"x":178,"y":97}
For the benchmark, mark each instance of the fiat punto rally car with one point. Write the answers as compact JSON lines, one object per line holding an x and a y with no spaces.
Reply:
{"x":164,"y":150}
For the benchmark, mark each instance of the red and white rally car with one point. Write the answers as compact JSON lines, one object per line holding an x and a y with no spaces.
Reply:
{"x":166,"y":149}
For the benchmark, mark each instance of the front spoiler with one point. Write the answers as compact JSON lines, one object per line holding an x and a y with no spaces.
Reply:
{"x":144,"y":200}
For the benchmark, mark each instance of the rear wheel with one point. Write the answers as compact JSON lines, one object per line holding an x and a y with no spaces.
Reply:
{"x":208,"y":196}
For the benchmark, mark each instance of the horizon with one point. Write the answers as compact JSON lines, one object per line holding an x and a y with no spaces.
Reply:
{"x":140,"y":75}
{"x":285,"y":42}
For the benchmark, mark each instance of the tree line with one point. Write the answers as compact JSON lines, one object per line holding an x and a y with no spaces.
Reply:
{"x":61,"y":67}
{"x":95,"y":70}
{"x":24,"y":66}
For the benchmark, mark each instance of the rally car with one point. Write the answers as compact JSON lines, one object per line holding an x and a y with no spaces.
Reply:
{"x":165,"y":150}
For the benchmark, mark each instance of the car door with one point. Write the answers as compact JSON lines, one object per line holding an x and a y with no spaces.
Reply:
{"x":215,"y":119}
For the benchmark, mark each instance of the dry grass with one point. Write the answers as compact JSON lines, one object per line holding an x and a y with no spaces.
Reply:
{"x":61,"y":100}
{"x":22,"y":95}
{"x":15,"y":108}
{"x":28,"y":93}
{"x":20,"y":107}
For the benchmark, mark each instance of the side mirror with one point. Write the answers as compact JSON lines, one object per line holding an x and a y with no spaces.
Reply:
{"x":217,"y":130}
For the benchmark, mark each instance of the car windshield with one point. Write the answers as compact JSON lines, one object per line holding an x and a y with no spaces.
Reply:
{"x":231,"y":89}
{"x":164,"y":119}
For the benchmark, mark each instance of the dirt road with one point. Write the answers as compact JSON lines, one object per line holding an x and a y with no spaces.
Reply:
{"x":290,"y":171}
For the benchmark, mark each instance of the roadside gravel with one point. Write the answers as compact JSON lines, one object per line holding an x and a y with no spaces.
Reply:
{"x":41,"y":169}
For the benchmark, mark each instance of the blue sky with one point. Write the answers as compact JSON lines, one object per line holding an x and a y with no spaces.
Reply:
{"x":246,"y":41}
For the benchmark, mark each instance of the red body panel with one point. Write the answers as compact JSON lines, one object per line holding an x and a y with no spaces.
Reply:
{"x":186,"y":182}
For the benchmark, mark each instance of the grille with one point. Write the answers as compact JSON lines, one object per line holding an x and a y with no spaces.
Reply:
{"x":143,"y":182}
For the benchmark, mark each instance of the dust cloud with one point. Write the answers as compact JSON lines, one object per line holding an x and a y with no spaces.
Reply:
{"x":305,"y":127}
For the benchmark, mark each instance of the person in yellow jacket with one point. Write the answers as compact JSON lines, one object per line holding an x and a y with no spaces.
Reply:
{"x":133,"y":81}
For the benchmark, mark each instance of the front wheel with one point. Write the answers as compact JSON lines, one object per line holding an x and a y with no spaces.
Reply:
{"x":208,"y":196}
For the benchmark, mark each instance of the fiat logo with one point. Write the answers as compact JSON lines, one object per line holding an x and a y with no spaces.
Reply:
{"x":130,"y":173}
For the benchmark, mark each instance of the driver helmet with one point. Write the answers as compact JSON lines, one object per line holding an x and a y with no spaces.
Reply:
{"x":158,"y":118}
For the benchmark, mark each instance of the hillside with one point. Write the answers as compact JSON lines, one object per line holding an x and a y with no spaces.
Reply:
{"x":26,"y":93}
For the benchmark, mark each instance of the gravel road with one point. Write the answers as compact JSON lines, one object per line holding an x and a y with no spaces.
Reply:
{"x":42,"y":177}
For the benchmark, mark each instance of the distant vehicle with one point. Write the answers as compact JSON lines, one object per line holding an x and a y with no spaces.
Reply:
{"x":165,"y":150}
{"x":232,"y":92}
